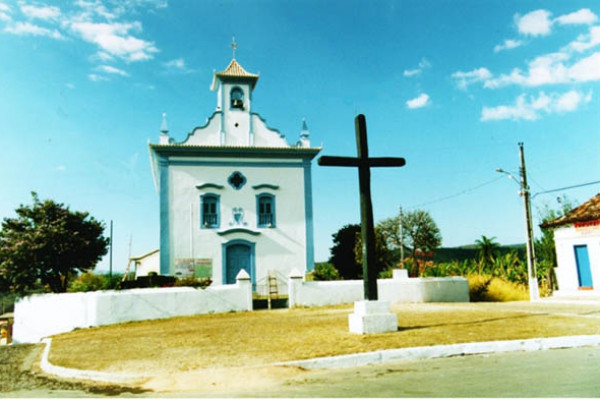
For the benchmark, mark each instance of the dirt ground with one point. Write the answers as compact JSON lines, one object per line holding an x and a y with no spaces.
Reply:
{"x":20,"y":377}
{"x":221,"y":355}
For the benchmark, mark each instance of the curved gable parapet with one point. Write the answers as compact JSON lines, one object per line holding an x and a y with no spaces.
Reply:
{"x":265,"y":136}
{"x":207,"y":134}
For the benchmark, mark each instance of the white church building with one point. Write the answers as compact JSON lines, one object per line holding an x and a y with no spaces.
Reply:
{"x":234,"y":194}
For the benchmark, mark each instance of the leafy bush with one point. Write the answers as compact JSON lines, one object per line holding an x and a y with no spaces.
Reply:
{"x":90,"y":282}
{"x":201,"y":283}
{"x":325,"y":272}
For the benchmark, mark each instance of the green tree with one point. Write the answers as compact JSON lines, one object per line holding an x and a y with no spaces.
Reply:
{"x":47,"y":244}
{"x":545,"y":251}
{"x":383,"y":255}
{"x":325,"y":272}
{"x":488,"y":250}
{"x":342,"y":252}
{"x":421,"y":233}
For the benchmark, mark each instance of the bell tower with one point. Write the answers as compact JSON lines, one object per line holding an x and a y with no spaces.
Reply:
{"x":234,"y":88}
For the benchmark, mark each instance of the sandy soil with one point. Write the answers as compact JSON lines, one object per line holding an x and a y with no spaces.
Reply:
{"x":223,"y":382}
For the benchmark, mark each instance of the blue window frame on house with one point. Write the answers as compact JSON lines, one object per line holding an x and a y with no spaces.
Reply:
{"x":209,"y":207}
{"x":265,"y":204}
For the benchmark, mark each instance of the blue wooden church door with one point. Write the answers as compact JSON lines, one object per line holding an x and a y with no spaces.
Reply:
{"x":584,"y":272}
{"x":238,"y":258}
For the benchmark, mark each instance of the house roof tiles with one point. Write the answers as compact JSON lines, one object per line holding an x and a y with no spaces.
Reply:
{"x":588,"y":211}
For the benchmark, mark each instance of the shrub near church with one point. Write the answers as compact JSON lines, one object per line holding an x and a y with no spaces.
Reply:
{"x":46,"y":245}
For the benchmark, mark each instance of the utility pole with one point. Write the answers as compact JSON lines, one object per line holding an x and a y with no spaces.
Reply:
{"x":401,"y":239}
{"x":534,"y":293}
{"x":111,"y":250}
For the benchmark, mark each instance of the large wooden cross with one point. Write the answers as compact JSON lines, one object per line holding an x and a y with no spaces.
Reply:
{"x":364,"y":164}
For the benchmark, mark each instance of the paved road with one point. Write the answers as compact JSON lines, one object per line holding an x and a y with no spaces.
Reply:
{"x":551,"y":373}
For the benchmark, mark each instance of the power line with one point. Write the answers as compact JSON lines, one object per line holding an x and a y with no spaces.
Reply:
{"x":457,"y":194}
{"x":567,"y":187}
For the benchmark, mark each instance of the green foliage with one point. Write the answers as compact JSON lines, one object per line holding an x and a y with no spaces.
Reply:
{"x":545,"y":251}
{"x":419,"y":232}
{"x":90,"y":282}
{"x":487,"y":252}
{"x":47,"y":244}
{"x":190,"y":281}
{"x":342,"y":252}
{"x":384,"y":257}
{"x":325,"y":272}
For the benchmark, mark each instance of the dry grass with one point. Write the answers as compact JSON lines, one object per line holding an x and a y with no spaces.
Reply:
{"x":263,"y":337}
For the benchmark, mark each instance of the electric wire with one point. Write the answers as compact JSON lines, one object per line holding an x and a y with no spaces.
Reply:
{"x":465,"y":191}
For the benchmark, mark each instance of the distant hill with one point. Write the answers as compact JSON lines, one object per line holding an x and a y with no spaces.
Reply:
{"x":469,"y":252}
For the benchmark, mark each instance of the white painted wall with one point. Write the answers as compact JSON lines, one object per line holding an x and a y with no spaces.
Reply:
{"x":281,"y":249}
{"x":566,"y":239}
{"x":411,"y":290}
{"x":149,"y":263}
{"x":39,"y":316}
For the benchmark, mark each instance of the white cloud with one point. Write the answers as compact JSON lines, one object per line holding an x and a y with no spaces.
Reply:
{"x":178,"y":63}
{"x":97,"y":78}
{"x":411,"y":72}
{"x":551,"y":69}
{"x":421,"y":101}
{"x":423,"y":65}
{"x":4,"y":13}
{"x":115,"y":39}
{"x":583,"y":16}
{"x":29,"y":29}
{"x":44,"y":12}
{"x":112,"y":70}
{"x":535,"y":23}
{"x":508,"y":44}
{"x":587,"y":69}
{"x":464,"y":79}
{"x":70,"y":85}
{"x":532,"y":109}
{"x":61,"y":168}
{"x":585,"y":42}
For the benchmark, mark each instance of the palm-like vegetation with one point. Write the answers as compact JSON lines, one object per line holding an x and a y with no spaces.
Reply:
{"x":488,"y":250}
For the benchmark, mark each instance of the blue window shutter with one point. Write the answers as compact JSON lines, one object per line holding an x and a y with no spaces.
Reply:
{"x":210,"y":217}
{"x":265,"y":205}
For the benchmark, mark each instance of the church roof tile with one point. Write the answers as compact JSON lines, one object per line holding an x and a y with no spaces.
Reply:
{"x":234,"y":70}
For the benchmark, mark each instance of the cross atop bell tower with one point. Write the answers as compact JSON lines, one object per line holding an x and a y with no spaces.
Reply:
{"x":233,"y":46}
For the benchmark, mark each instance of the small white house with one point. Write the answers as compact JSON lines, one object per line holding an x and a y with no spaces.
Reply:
{"x":146,"y":263}
{"x":577,"y":240}
{"x":234,"y":194}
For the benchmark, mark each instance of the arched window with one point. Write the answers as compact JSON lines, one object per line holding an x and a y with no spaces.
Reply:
{"x":265,"y":204}
{"x":237,"y":98}
{"x":209,"y":208}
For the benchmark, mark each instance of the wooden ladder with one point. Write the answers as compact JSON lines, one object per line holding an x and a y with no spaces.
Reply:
{"x":273,"y":292}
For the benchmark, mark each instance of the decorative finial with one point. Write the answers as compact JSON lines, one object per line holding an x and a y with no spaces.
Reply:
{"x":233,"y":46}
{"x":163,"y":127}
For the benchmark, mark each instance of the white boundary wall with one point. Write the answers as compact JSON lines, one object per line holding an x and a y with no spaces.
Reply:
{"x":39,"y":316}
{"x":397,"y":290}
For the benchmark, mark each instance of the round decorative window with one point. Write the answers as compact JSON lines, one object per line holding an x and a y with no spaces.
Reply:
{"x":236,"y":180}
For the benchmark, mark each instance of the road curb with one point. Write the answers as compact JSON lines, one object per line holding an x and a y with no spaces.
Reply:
{"x":440,"y":351}
{"x":73,"y":373}
{"x":358,"y":359}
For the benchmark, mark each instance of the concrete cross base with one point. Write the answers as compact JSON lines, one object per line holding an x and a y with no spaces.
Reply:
{"x":372,"y":317}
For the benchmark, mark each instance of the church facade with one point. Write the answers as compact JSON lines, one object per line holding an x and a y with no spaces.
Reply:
{"x":234,"y":194}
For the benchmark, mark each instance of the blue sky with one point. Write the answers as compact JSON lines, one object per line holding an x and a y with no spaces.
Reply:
{"x":452,"y":86}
